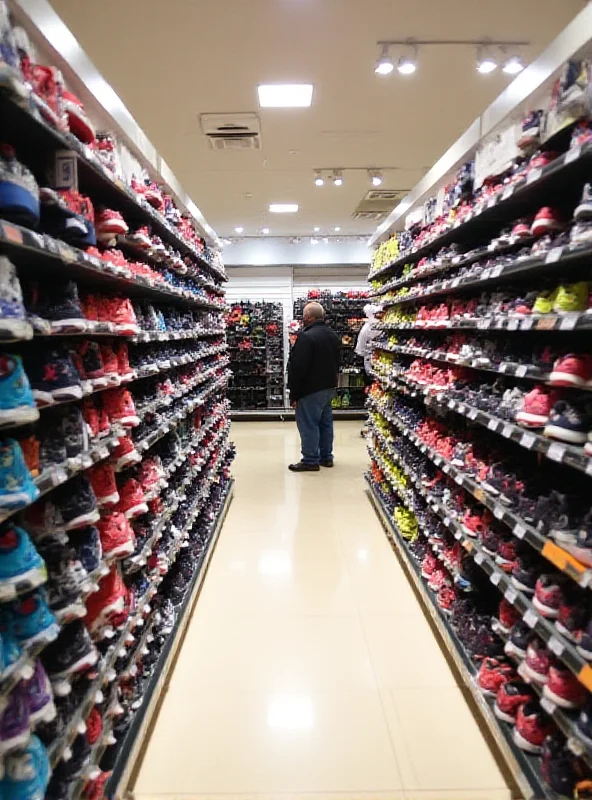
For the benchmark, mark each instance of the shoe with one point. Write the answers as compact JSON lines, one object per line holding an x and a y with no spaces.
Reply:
{"x":89,"y":362}
{"x":563,"y":688}
{"x":507,"y":617}
{"x":536,"y":407}
{"x":31,"y":447}
{"x":123,"y":365}
{"x":548,"y":596}
{"x":545,"y":221}
{"x":519,"y":640}
{"x":328,"y":462}
{"x":537,"y":663}
{"x":86,"y":542}
{"x":77,"y":503}
{"x":17,"y":488}
{"x":73,"y":651}
{"x":110,"y":365}
{"x":19,"y":193}
{"x":125,"y":454}
{"x":119,"y":405}
{"x":102,"y":478}
{"x":21,"y":566}
{"x":30,"y":619}
{"x":302,"y":467}
{"x":572,"y":370}
{"x":15,"y":721}
{"x":492,"y":674}
{"x":13,"y":319}
{"x":108,"y":602}
{"x":132,"y":502}
{"x":64,"y":310}
{"x":27,"y":772}
{"x":117,"y":536}
{"x":532,"y":727}
{"x":567,"y":423}
{"x":54,"y":377}
{"x":78,"y":122}
{"x":545,"y":301}
{"x":17,"y":404}
{"x":559,"y":766}
{"x":123,"y":316}
{"x":511,"y":696}
{"x":75,"y":435}
{"x":584,"y":209}
{"x":52,"y":447}
{"x":109,"y":224}
{"x":38,"y":690}
{"x":571,"y":297}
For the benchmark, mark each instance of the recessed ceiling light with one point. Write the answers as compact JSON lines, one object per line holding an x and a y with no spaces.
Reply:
{"x":285,"y":95}
{"x":283,"y":208}
{"x":265,"y":231}
{"x":239,"y":230}
{"x":316,"y":230}
{"x":337,"y":229}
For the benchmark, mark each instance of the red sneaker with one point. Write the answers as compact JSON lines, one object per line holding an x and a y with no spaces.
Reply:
{"x":536,"y":407}
{"x":123,"y":364}
{"x":119,"y":405}
{"x":95,"y":789}
{"x":493,"y":674}
{"x":507,"y":616}
{"x":108,"y":601}
{"x":117,"y":535}
{"x":102,"y":478}
{"x":150,"y":473}
{"x":474,"y":523}
{"x":110,"y":224}
{"x":110,"y":364}
{"x":538,"y":662}
{"x":506,"y":554}
{"x":132,"y":502}
{"x":548,"y":596}
{"x":78,"y":122}
{"x":563,"y":688}
{"x":510,"y":697}
{"x":94,"y":726}
{"x":545,"y":221}
{"x":429,"y":564}
{"x":532,"y":727}
{"x":446,"y":597}
{"x":104,"y":423}
{"x":91,"y":416}
{"x":123,"y":316}
{"x":125,"y":454}
{"x":90,"y":307}
{"x":572,"y":370}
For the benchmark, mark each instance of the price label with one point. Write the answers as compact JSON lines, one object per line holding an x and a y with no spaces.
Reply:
{"x":533,"y":175}
{"x":479,"y":557}
{"x":527,"y":440}
{"x":521,"y":371}
{"x":493,"y":424}
{"x":503,"y":367}
{"x":485,"y":274}
{"x":484,"y":324}
{"x":555,"y":646}
{"x":513,"y":324}
{"x":498,"y":511}
{"x":510,"y":594}
{"x":530,"y":617}
{"x":508,"y":191}
{"x":569,"y":322}
{"x":495,"y":578}
{"x":548,"y":705}
{"x":556,"y":452}
{"x":472,"y":413}
{"x":572,"y":155}
{"x":458,"y":479}
{"x":497,"y":271}
{"x":446,"y":468}
{"x":526,"y":324}
{"x":554,"y":255}
{"x":455,"y":282}
{"x":507,"y":431}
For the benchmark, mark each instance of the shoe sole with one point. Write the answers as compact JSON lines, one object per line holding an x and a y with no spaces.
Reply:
{"x":521,"y":586}
{"x":531,"y":420}
{"x":535,"y":677}
{"x":128,"y":421}
{"x":82,"y":520}
{"x":546,"y":611}
{"x":67,"y":393}
{"x":510,"y":649}
{"x":128,"y":328}
{"x":524,"y":744}
{"x":21,"y":415}
{"x":88,"y":660}
{"x":64,"y":325}
{"x":126,"y":549}
{"x":557,"y":699}
{"x":108,"y":499}
{"x":565,"y":435}
{"x":45,"y":636}
{"x":15,"y":500}
{"x":45,"y":714}
{"x":136,"y":511}
{"x":15,"y":743}
{"x":502,"y":715}
{"x":71,"y":612}
{"x":11,"y":587}
{"x":15,"y":329}
{"x":124,"y":461}
{"x":566,"y":379}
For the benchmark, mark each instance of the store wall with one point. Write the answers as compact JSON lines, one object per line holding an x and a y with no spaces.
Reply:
{"x":281,"y":250}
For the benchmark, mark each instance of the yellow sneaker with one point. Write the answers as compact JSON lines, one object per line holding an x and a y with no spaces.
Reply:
{"x":571,"y":297}
{"x":545,"y":301}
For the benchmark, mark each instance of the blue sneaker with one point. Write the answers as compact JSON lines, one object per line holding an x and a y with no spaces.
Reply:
{"x":19,"y":193}
{"x":567,"y":423}
{"x":87,"y":543}
{"x":13,"y":318}
{"x":21,"y":566}
{"x":54,"y":377}
{"x":17,"y":487}
{"x":31,"y":620}
{"x":27,"y":773}
{"x":17,"y":404}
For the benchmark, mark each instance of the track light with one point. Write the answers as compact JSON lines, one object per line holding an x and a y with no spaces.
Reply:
{"x":319,"y":180}
{"x":407,"y":66}
{"x":384,"y":65}
{"x":337,"y":178}
{"x":485,"y":61}
{"x":513,"y":66}
{"x":375,"y":177}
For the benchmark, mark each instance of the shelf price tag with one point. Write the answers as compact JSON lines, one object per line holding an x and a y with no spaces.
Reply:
{"x":495,"y":578}
{"x":498,"y":511}
{"x":472,"y":413}
{"x":556,"y":452}
{"x":510,"y":594}
{"x":521,"y":370}
{"x":530,"y":617}
{"x":553,"y":255}
{"x":508,"y":191}
{"x":555,"y":646}
{"x":519,"y":531}
{"x":527,"y":440}
{"x":492,"y":201}
{"x":479,"y":557}
{"x":507,"y":430}
{"x":493,"y":424}
{"x":497,"y":271}
{"x":569,"y":322}
{"x":533,"y":175}
{"x":572,"y":155}
{"x":548,"y":705}
{"x":513,"y":324}
{"x":526,"y":324}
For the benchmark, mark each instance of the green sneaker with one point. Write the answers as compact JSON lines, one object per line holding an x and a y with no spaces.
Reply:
{"x":544,"y":302}
{"x":571,"y":297}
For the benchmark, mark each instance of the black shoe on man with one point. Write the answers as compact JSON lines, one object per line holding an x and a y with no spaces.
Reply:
{"x":302,"y":467}
{"x":328,"y":462}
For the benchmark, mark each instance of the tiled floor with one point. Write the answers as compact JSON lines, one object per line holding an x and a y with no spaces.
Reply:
{"x":308,"y":670}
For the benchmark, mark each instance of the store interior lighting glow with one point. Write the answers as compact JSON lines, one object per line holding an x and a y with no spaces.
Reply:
{"x":285,"y":95}
{"x":319,"y":180}
{"x":486,"y":63}
{"x":314,"y":240}
{"x":316,"y":230}
{"x":337,"y":229}
{"x":338,"y":179}
{"x":375,"y":177}
{"x":283,"y":208}
{"x":239,"y":230}
{"x":513,"y":66}
{"x":384,"y":65}
{"x":406,"y":66}
{"x":265,"y":231}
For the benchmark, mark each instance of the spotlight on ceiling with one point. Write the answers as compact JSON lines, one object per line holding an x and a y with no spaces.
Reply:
{"x":337,"y":229}
{"x":375,"y":177}
{"x":486,"y":63}
{"x":337,"y":178}
{"x":513,"y":66}
{"x":319,"y":180}
{"x":316,"y":230}
{"x":384,"y":65}
{"x":407,"y":65}
{"x":239,"y":230}
{"x":265,"y":231}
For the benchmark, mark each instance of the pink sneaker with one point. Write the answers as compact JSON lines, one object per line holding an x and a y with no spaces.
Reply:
{"x":536,"y":407}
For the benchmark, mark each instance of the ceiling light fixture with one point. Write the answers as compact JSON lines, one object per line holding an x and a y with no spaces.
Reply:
{"x":513,"y":66}
{"x":337,"y":178}
{"x":239,"y":230}
{"x":265,"y":231}
{"x":283,"y":208}
{"x":319,"y":180}
{"x":485,"y":61}
{"x":316,"y":230}
{"x":406,"y":66}
{"x":384,"y":65}
{"x":375,"y":177}
{"x":285,"y":95}
{"x":337,"y":229}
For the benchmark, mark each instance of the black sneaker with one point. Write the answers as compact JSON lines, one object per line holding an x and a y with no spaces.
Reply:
{"x":86,"y":542}
{"x":64,"y":310}
{"x":519,"y":638}
{"x":73,"y":651}
{"x":66,"y":580}
{"x":77,"y":503}
{"x":67,"y":771}
{"x":75,"y":435}
{"x":52,"y":448}
{"x":53,"y":377}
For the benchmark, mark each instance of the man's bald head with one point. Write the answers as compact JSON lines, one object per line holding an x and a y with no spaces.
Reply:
{"x":313,"y":312}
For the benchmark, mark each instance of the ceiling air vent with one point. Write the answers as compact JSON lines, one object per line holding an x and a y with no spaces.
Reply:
{"x":232,"y":131}
{"x":378,"y":204}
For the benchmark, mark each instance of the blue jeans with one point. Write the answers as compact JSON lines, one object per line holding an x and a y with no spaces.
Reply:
{"x":314,"y":418}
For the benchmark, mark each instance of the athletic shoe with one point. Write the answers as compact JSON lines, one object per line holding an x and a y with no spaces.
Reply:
{"x":572,"y":618}
{"x":109,"y":224}
{"x":110,"y":365}
{"x":15,"y":721}
{"x":122,"y":315}
{"x":30,"y":447}
{"x":545,"y":301}
{"x":91,"y":364}
{"x":38,"y":690}
{"x":13,"y":319}
{"x":572,"y":370}
{"x":532,"y":727}
{"x":507,"y":617}
{"x":584,"y":209}
{"x":559,"y":766}
{"x":52,"y":447}
{"x":21,"y":566}
{"x":30,"y":620}
{"x":511,"y":695}
{"x":492,"y":674}
{"x":17,"y":488}
{"x":132,"y":502}
{"x":530,"y":130}
{"x":78,"y":122}
{"x":567,"y":423}
{"x":123,"y":364}
{"x":571,"y":297}
{"x":86,"y":542}
{"x":75,"y":435}
{"x":545,"y":221}
{"x":54,"y":377}
{"x":536,"y":407}
{"x":520,"y":637}
{"x":67,"y":579}
{"x":10,"y":651}
{"x":102,"y":478}
{"x":77,"y":503}
{"x":17,"y":404}
{"x":117,"y":535}
{"x":64,"y":310}
{"x":108,"y":602}
{"x":563,"y":688}
{"x":584,"y":641}
{"x":125,"y":454}
{"x":120,"y":407}
{"x":538,"y":662}
{"x":91,"y":417}
{"x":73,"y":651}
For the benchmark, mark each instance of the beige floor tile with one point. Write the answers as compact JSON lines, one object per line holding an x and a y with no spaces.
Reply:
{"x":265,"y":742}
{"x":394,"y":794}
{"x":458,"y":794}
{"x":438,"y":743}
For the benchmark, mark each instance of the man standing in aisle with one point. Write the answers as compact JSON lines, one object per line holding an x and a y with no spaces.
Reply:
{"x":312,"y":379}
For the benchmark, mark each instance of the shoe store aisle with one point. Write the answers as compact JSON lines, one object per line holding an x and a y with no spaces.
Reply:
{"x":308,"y":669}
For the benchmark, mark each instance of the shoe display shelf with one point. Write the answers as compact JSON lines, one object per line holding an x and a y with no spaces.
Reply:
{"x":256,"y":345}
{"x":344,"y":312}
{"x":480,"y":428}
{"x":115,"y":453}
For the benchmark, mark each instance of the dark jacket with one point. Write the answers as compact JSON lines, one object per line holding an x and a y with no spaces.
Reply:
{"x":314,"y":361}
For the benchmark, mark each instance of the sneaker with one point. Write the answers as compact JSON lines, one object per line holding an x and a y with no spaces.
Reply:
{"x":13,"y":319}
{"x":14,"y":720}
{"x":537,"y":663}
{"x":563,"y":688}
{"x":102,"y":478}
{"x":548,"y":596}
{"x":86,"y":542}
{"x":77,"y":503}
{"x":571,"y":297}
{"x":120,"y":407}
{"x":30,"y":447}
{"x":567,"y":423}
{"x":78,"y":122}
{"x":492,"y":674}
{"x":584,"y":209}
{"x":52,"y":447}
{"x":109,"y":224}
{"x":117,"y":535}
{"x":125,"y":454}
{"x":73,"y":651}
{"x":572,"y":370}
{"x":67,"y":580}
{"x":64,"y":310}
{"x":91,"y":364}
{"x":123,"y":316}
{"x":108,"y":602}
{"x":584,"y":641}
{"x":110,"y":365}
{"x":132,"y":502}
{"x":545,"y":301}
{"x":38,"y":689}
{"x":30,"y":619}
{"x":519,"y":639}
{"x":17,"y":487}
{"x":75,"y":435}
{"x":536,"y":407}
{"x":17,"y":404}
{"x":123,"y":364}
{"x":532,"y":727}
{"x":507,"y":617}
{"x":511,"y":696}
{"x":559,"y":767}
{"x":54,"y":377}
{"x":21,"y":566}
{"x":545,"y":221}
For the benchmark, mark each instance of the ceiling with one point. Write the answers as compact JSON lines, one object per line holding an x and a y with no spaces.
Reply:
{"x":172,"y":61}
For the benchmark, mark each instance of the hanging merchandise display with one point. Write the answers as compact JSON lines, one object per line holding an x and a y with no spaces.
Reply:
{"x":255,"y":333}
{"x":115,"y":452}
{"x":344,"y":312}
{"x":480,"y":436}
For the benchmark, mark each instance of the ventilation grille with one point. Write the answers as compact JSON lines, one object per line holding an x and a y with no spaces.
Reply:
{"x":232,"y":131}
{"x":377,"y":204}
